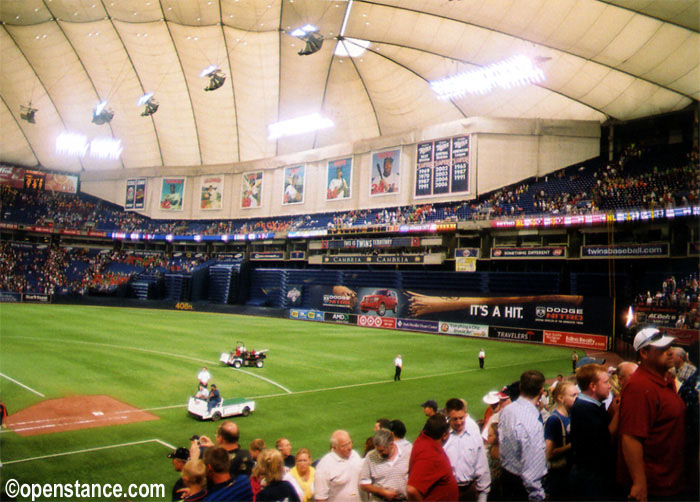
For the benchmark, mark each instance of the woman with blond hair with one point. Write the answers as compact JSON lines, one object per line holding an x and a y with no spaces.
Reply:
{"x":302,"y":475}
{"x":270,"y":471}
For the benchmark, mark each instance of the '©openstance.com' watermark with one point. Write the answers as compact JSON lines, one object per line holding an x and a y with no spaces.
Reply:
{"x":42,"y":491}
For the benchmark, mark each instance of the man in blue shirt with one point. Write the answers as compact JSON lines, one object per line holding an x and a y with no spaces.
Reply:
{"x":592,"y":431}
{"x":220,"y":483}
{"x":522,"y":443}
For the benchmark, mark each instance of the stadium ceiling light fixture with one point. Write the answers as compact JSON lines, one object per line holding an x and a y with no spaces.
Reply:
{"x":215,"y":75}
{"x":313,"y":38}
{"x":150,"y":102}
{"x":101,"y":114}
{"x":517,"y":71}
{"x":27,"y":113}
{"x":299,"y":125}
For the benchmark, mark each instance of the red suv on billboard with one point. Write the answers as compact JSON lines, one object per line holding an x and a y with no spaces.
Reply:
{"x":380,"y":301}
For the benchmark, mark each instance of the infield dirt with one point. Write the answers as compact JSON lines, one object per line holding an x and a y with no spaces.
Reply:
{"x":73,"y":413}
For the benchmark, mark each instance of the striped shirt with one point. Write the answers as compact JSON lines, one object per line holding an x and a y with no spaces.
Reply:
{"x":522,"y":445}
{"x":390,"y":474}
{"x":467,"y":455}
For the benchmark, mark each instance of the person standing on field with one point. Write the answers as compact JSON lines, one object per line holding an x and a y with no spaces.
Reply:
{"x":398,"y":365}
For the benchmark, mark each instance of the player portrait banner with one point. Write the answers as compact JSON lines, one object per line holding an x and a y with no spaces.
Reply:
{"x":338,"y":180}
{"x":212,"y":193}
{"x":294,"y":178}
{"x":442,"y":167}
{"x":385,"y":172}
{"x":135,"y":194}
{"x":251,"y":190}
{"x":172,"y":193}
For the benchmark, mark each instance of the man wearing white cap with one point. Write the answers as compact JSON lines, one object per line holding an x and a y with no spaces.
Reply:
{"x":652,"y":432}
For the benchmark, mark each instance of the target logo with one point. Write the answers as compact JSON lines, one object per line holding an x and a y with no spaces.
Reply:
{"x":371,"y":321}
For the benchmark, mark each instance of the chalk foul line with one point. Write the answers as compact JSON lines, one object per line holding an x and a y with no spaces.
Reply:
{"x":86,"y":450}
{"x":22,"y":385}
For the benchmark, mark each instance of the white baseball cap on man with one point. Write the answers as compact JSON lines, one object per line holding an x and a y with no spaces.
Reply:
{"x":651,"y":337}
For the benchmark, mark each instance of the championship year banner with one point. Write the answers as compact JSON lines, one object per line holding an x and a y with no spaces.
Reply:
{"x":442,"y":167}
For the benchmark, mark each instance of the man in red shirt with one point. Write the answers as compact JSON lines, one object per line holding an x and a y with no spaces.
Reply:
{"x":652,"y":434}
{"x":429,"y":471}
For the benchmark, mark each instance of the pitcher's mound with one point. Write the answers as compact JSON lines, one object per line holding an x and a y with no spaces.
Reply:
{"x":73,"y":413}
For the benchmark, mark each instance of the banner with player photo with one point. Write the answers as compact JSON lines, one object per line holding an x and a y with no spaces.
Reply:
{"x":251,"y":190}
{"x":172,"y":193}
{"x":442,"y":167}
{"x":212,"y":192}
{"x":385,"y":172}
{"x":294,"y":178}
{"x":339,"y":179}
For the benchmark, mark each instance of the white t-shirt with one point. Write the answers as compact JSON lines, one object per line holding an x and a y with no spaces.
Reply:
{"x":398,"y":362}
{"x":337,"y":478}
{"x":204,"y":377}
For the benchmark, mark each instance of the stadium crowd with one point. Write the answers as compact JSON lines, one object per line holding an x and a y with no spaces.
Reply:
{"x":681,"y":296}
{"x":619,"y":433}
{"x":634,"y":181}
{"x":50,"y":269}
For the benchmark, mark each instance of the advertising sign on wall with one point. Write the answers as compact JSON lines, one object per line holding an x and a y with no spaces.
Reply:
{"x":659,"y":250}
{"x":519,"y":253}
{"x":516,"y":334}
{"x":566,"y":313}
{"x":596,"y":342}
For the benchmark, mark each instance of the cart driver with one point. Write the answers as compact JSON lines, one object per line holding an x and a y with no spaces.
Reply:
{"x":214,"y":398}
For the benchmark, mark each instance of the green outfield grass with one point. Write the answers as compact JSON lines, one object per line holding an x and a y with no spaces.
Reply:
{"x":320,"y":377}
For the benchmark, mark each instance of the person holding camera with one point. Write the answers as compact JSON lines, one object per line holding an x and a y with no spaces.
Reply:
{"x":227,"y":437}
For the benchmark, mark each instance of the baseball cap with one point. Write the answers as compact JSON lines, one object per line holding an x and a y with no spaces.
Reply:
{"x":430,"y":404}
{"x":651,"y":337}
{"x":180,"y":454}
{"x":589,"y":360}
{"x":492,"y":397}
